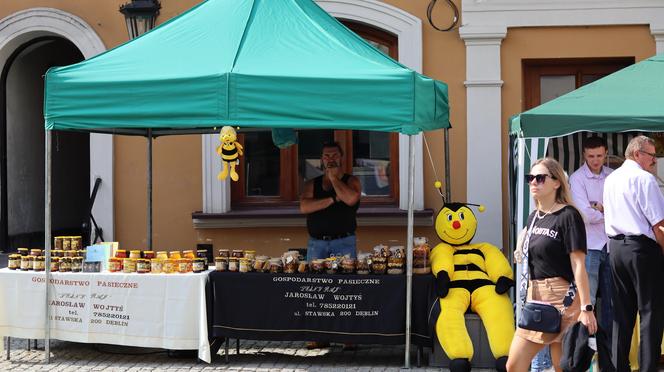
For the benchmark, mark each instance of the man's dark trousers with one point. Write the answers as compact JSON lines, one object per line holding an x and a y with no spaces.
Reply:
{"x":637,"y":265}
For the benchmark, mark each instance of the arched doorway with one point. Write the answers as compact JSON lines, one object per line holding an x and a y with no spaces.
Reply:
{"x":22,"y":150}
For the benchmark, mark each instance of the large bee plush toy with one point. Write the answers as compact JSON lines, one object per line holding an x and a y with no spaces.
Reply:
{"x":230,"y":150}
{"x":473,"y":276}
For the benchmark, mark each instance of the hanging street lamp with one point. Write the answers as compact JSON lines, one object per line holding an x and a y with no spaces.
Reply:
{"x":140,"y":16}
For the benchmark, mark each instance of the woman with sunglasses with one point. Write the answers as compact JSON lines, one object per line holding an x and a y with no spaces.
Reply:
{"x":556,"y":257}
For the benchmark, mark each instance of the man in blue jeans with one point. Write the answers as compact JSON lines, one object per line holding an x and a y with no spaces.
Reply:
{"x":587,"y":186}
{"x":330,"y":202}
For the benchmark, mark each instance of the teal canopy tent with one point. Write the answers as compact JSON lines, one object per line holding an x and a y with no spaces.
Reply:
{"x":616,"y":107}
{"x":281,"y":65}
{"x":627,"y":100}
{"x":247,"y":63}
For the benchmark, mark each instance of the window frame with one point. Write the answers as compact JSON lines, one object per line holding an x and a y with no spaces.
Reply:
{"x":289,"y":170}
{"x":534,"y":69}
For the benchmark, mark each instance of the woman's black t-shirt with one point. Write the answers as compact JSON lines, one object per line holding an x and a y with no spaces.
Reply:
{"x":553,"y":238}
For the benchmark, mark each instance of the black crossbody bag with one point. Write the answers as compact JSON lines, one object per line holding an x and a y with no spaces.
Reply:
{"x":537,"y":316}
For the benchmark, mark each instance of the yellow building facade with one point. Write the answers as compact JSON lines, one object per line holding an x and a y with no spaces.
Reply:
{"x":501,"y":58}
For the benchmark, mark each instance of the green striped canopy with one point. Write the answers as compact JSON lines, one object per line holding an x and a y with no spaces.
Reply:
{"x":251,"y":63}
{"x":631,"y":99}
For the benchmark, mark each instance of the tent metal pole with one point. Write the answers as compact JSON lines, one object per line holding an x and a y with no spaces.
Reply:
{"x":149,"y":237}
{"x":448,"y":187}
{"x":47,"y":243}
{"x":409,"y":255}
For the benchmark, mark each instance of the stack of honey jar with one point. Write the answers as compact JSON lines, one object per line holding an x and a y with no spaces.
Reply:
{"x":34,"y":260}
{"x":143,"y":262}
{"x":382,"y":260}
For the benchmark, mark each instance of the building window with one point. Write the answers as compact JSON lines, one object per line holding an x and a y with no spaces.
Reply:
{"x":269,"y":175}
{"x":546,"y":79}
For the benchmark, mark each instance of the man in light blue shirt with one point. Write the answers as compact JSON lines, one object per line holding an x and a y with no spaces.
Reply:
{"x":587,"y":186}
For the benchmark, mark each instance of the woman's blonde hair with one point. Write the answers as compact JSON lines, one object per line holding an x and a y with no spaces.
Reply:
{"x":563,"y":195}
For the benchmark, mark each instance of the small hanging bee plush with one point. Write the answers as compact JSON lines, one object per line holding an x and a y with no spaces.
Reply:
{"x":230,"y":151}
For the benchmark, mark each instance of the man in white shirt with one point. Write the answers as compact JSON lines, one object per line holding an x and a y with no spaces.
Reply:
{"x":587,"y":186}
{"x":633,"y":213}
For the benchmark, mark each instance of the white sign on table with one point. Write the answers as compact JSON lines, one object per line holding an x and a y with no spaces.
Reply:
{"x":147,"y":310}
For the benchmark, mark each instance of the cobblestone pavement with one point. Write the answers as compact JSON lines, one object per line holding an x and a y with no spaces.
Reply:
{"x":254,"y":356}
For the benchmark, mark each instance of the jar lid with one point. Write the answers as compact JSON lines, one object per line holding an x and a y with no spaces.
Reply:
{"x":250,"y":251}
{"x":14,"y":256}
{"x":35,"y":250}
{"x":237,"y":250}
{"x":190,"y":251}
{"x":135,"y":251}
{"x":40,"y":258}
{"x":121,"y":250}
{"x":29,"y":258}
{"x":55,"y":259}
{"x":148,"y":251}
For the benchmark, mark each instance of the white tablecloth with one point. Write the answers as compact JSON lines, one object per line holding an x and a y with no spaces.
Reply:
{"x":146,"y":310}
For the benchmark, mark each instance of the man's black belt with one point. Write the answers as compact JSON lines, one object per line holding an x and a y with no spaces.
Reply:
{"x":334,"y":237}
{"x":623,"y":237}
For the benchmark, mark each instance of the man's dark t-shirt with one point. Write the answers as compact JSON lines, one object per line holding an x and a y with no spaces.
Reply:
{"x":553,"y":238}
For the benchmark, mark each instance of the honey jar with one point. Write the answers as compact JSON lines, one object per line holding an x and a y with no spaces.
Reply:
{"x":198,"y":265}
{"x":142,"y":266}
{"x":237,"y":253}
{"x":184,"y":265}
{"x":233,"y":264}
{"x":188,"y":254}
{"x":221,"y":263}
{"x":26,"y":263}
{"x":174,"y":255}
{"x":114,"y":264}
{"x":70,"y":253}
{"x":66,"y":243}
{"x":23,"y":251}
{"x":303,"y":267}
{"x":57,"y":243}
{"x":38,"y":263}
{"x":35,"y":252}
{"x":156,"y":266}
{"x":318,"y":266}
{"x":76,"y":242}
{"x":363,"y":262}
{"x":275,"y":265}
{"x":76,"y":264}
{"x":55,"y":264}
{"x":65,"y":264}
{"x":260,"y":264}
{"x":169,"y":266}
{"x":224,"y":253}
{"x":121,"y":253}
{"x":202,"y":253}
{"x":250,"y":254}
{"x":14,"y":261}
{"x":135,"y":254}
{"x":129,"y":265}
{"x":162,"y":255}
{"x":148,"y":255}
{"x":421,"y":253}
{"x":244,"y":265}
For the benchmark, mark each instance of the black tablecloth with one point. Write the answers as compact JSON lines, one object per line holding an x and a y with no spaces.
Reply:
{"x":361,"y":309}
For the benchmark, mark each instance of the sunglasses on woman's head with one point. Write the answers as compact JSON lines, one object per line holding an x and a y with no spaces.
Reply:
{"x":539,"y":178}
